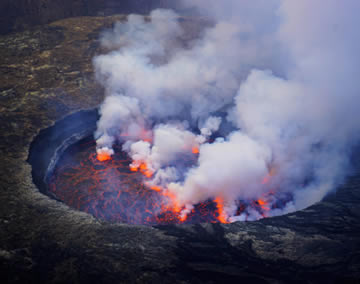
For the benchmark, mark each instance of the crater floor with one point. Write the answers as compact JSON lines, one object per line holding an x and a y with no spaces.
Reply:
{"x":46,"y":73}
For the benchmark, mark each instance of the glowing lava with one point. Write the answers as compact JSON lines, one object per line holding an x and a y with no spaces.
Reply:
{"x":110,"y":189}
{"x":195,"y":150}
{"x":143,"y":168}
{"x":220,"y":207}
{"x":116,"y":190}
{"x":103,"y":157}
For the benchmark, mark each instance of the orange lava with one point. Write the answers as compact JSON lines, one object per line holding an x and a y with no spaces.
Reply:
{"x":220,"y":207}
{"x":142,"y":168}
{"x":156,"y":188}
{"x":183,"y":218}
{"x":264,"y":206}
{"x":118,"y":192}
{"x":103,"y":157}
{"x":174,"y":206}
{"x":195,"y":150}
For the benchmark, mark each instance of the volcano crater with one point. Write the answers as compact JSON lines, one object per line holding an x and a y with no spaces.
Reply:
{"x":65,"y":167}
{"x":44,"y":241}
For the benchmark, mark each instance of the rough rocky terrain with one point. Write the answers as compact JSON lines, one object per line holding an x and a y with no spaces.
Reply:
{"x":46,"y":73}
{"x":16,"y":15}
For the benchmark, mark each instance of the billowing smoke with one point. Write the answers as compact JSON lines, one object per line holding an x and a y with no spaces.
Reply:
{"x":263,"y":100}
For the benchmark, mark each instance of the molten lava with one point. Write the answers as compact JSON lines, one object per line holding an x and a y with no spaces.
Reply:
{"x":143,"y":168}
{"x":110,"y":190}
{"x":103,"y":157}
{"x":220,"y":207}
{"x":113,"y":189}
{"x":195,"y":150}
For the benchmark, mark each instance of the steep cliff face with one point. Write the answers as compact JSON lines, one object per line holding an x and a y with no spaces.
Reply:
{"x":17,"y":15}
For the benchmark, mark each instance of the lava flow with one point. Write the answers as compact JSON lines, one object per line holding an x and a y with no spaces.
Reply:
{"x":110,"y":189}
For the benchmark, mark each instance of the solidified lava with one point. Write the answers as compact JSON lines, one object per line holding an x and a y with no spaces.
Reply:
{"x":109,"y":190}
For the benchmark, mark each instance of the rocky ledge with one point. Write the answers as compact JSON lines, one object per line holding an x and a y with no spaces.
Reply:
{"x":46,"y":73}
{"x":16,"y":15}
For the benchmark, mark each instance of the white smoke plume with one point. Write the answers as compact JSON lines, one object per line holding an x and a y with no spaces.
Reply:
{"x":264,"y":99}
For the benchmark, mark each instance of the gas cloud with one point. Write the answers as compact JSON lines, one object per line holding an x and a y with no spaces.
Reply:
{"x":262,"y":104}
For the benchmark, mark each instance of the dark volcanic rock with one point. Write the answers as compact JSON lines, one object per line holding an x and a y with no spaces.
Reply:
{"x":46,"y":73}
{"x":16,"y":15}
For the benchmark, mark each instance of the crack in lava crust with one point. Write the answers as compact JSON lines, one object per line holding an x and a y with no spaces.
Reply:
{"x":109,"y":190}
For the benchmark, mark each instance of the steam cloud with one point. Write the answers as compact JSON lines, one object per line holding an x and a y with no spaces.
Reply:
{"x":275,"y":80}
